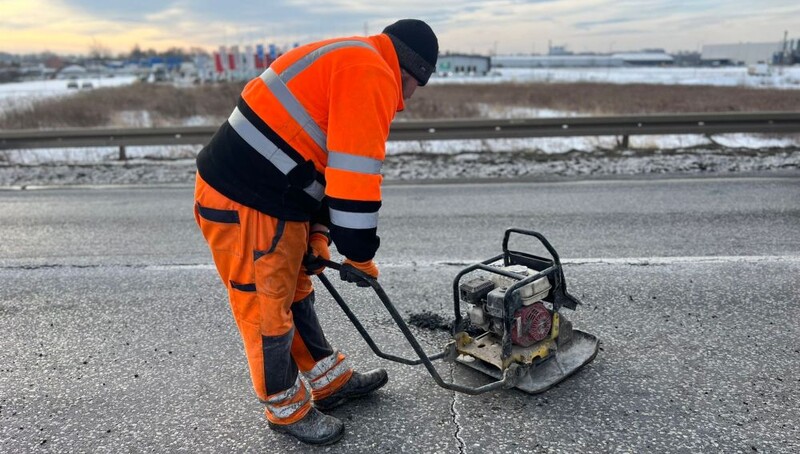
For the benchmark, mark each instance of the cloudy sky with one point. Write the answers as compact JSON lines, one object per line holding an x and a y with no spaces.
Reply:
{"x":474,"y":26}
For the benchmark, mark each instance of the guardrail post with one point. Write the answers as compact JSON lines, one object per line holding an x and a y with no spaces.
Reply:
{"x":122,"y":156}
{"x":624,"y":143}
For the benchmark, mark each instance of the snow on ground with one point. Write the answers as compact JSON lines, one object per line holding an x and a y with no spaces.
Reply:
{"x":781,"y":77}
{"x":561,"y":145}
{"x":452,"y":159}
{"x":546,"y":146}
{"x":492,"y":111}
{"x":20,"y":94}
{"x":735,"y":76}
{"x":436,"y":160}
{"x":452,"y":167}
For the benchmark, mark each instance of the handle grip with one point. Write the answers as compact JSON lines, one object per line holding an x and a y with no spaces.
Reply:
{"x":319,"y":261}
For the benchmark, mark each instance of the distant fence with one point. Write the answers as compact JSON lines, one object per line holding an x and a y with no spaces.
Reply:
{"x":622,"y":126}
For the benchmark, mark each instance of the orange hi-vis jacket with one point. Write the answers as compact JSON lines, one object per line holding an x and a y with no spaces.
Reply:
{"x":307,"y":139}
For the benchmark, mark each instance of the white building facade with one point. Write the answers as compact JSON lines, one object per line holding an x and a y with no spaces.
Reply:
{"x":741,"y":53}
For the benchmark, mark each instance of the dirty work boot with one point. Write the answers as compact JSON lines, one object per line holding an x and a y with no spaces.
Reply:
{"x":358,"y":385}
{"x":316,"y":428}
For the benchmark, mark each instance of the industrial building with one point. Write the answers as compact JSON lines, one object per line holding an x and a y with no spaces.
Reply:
{"x":784,"y":52}
{"x":740,"y":53}
{"x":583,"y":60}
{"x":462,"y":64}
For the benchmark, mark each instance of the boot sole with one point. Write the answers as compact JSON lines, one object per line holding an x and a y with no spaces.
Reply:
{"x":318,"y":442}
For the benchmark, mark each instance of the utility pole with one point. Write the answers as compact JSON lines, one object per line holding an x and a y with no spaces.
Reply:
{"x":785,"y":53}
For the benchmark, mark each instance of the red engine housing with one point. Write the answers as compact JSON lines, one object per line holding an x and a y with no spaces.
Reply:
{"x":531,"y":324}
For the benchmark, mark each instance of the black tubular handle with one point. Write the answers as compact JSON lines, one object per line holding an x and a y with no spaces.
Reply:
{"x":537,"y":235}
{"x":508,"y":380}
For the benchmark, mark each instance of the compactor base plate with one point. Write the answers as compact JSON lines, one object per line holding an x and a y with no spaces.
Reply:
{"x":568,"y":359}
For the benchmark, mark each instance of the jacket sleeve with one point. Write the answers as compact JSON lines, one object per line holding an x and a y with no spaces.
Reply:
{"x":363,"y":100}
{"x":322,"y":215}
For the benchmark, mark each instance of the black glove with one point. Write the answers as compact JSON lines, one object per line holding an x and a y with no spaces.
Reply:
{"x":346,"y":272}
{"x":317,"y":249}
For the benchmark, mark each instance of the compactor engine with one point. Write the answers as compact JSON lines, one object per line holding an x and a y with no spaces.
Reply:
{"x":484,"y":295}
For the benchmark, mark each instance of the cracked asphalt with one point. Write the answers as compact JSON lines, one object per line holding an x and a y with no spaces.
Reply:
{"x":117,"y":336}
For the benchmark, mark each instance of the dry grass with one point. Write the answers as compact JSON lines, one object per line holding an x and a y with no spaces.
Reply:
{"x":168,"y":105}
{"x":165,"y":103}
{"x":450,"y":101}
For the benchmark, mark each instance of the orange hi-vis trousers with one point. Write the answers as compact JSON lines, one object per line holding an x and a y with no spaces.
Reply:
{"x":259,"y":259}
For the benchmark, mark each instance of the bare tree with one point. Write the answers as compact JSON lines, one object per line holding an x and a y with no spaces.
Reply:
{"x":199,"y":51}
{"x":136,"y":52}
{"x":98,"y":51}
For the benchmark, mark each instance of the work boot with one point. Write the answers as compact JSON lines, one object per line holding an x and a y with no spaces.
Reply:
{"x":358,"y":385}
{"x":316,"y":428}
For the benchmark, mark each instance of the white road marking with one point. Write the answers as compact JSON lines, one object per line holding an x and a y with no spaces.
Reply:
{"x":634,"y":261}
{"x":690,"y":260}
{"x":638,"y":261}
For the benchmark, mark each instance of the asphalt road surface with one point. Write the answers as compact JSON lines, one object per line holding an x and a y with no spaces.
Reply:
{"x":117,"y":337}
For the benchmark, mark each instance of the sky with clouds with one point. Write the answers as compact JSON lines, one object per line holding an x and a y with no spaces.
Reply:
{"x":471,"y":26}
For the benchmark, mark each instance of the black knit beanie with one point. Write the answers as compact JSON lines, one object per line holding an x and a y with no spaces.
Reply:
{"x":416,"y":46}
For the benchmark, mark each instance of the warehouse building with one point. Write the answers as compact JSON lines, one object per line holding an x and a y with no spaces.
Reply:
{"x":583,"y":60}
{"x":740,"y":53}
{"x":462,"y":65}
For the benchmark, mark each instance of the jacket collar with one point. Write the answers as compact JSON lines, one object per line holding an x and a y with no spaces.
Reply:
{"x":386,"y":49}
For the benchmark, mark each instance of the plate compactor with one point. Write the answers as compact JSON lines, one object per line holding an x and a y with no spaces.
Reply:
{"x":508,"y":322}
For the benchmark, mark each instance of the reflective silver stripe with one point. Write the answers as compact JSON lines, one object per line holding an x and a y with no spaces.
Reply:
{"x":269,"y":150}
{"x":295,"y":109}
{"x":288,"y":410}
{"x":285,"y":411}
{"x":262,"y":145}
{"x":315,"y":189}
{"x":277,"y":84}
{"x":354,"y":220}
{"x":284,"y":395}
{"x":303,"y":63}
{"x":332,"y":375}
{"x":353,"y":163}
{"x":322,"y":366}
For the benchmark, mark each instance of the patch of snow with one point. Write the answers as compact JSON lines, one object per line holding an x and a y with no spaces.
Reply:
{"x":549,"y":145}
{"x":132,"y":118}
{"x":545,"y":146}
{"x":668,"y":142}
{"x":736,"y":76}
{"x":493,"y":111}
{"x":20,"y":94}
{"x":145,"y":119}
{"x":201,"y":120}
{"x":15,"y":95}
{"x":447,"y":159}
{"x":96,"y":155}
{"x":742,"y":140}
{"x":560,"y":145}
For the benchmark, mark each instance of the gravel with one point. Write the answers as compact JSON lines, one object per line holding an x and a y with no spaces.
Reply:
{"x":413,"y":166}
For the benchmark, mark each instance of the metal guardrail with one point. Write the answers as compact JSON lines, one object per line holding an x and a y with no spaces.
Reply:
{"x":717,"y":123}
{"x":624,"y":126}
